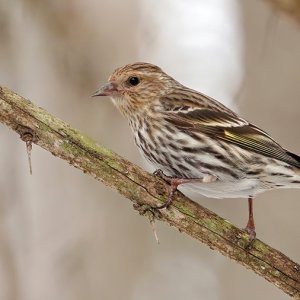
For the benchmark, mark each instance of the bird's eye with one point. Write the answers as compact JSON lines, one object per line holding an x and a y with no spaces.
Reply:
{"x":133,"y":80}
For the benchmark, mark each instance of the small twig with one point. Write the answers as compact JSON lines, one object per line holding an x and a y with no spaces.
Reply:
{"x":28,"y":136}
{"x":151,"y":213}
{"x":152,"y":222}
{"x":28,"y":149}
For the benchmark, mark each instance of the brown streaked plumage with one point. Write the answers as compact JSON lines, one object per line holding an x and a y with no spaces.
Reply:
{"x":197,"y":141}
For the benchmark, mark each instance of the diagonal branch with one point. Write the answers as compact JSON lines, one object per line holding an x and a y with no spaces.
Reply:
{"x":36,"y":125}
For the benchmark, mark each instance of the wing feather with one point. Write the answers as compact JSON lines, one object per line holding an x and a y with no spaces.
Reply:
{"x":232,"y":129}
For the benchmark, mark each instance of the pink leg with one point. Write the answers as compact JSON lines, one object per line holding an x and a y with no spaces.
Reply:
{"x":175,"y":182}
{"x":250,"y":228}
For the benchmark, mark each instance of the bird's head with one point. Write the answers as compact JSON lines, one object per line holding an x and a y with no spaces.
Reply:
{"x":136,"y":87}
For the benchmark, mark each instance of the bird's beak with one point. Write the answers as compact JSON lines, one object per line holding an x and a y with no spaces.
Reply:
{"x":106,"y":90}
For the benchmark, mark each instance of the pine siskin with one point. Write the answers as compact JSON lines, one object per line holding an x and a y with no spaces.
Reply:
{"x":196,"y":140}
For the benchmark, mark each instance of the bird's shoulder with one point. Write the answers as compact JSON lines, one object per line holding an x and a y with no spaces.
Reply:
{"x":197,"y":108}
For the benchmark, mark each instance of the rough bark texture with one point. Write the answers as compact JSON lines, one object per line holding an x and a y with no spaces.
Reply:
{"x":36,"y":125}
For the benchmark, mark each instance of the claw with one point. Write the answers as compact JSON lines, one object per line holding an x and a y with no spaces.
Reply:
{"x":175,"y":182}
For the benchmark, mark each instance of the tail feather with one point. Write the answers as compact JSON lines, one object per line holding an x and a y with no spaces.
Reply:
{"x":295,"y":157}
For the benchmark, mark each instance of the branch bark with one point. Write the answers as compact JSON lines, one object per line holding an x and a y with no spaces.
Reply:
{"x":35,"y":124}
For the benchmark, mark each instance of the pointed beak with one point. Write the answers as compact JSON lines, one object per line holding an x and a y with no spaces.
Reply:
{"x":107,"y":90}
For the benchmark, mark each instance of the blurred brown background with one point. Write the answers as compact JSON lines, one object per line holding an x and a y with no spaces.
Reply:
{"x":65,"y":236}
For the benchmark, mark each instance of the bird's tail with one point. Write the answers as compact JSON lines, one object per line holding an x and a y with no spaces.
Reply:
{"x":297,"y":162}
{"x":295,"y":157}
{"x":295,"y":180}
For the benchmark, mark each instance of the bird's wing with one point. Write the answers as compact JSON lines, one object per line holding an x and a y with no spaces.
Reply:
{"x":227,"y":126}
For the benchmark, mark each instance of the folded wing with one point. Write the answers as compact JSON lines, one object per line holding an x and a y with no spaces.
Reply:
{"x":232,"y":129}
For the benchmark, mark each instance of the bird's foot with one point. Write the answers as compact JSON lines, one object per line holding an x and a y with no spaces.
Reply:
{"x":251,"y":232}
{"x":169,"y":179}
{"x":159,"y":173}
{"x":250,"y":229}
{"x":174,"y":182}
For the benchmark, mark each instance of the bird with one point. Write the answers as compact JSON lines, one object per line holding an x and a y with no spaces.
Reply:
{"x":192,"y":139}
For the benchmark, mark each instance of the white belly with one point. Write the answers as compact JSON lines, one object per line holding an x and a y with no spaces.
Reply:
{"x":242,"y":188}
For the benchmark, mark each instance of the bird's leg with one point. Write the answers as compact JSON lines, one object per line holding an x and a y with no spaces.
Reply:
{"x":250,"y":228}
{"x":175,"y":182}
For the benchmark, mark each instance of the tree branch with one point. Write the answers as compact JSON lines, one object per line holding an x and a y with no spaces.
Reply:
{"x":36,"y":125}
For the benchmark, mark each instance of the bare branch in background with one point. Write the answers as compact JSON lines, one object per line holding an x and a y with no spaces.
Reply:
{"x":144,"y":189}
{"x":289,"y":7}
